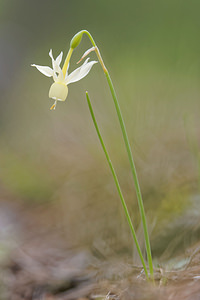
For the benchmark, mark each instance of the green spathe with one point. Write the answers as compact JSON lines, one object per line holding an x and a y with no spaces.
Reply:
{"x":76,"y":39}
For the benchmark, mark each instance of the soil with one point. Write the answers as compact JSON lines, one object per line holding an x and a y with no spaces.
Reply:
{"x":37,"y":262}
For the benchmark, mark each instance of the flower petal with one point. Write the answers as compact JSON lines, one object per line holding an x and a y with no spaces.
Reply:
{"x":51,"y":55}
{"x":56,"y":65}
{"x":47,"y":71}
{"x":59,"y":58}
{"x":81,"y":72}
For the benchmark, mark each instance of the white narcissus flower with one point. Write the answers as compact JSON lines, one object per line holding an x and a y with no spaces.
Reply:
{"x":59,"y":90}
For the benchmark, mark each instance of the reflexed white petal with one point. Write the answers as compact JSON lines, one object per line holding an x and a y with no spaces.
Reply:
{"x":59,"y":58}
{"x":85,"y":62}
{"x":52,"y":59}
{"x":56,"y":65}
{"x":81,"y":72}
{"x":47,"y":71}
{"x":55,"y":76}
{"x":51,"y":55}
{"x":60,"y":74}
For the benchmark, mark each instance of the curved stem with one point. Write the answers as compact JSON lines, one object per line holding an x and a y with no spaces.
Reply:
{"x":117,"y":185}
{"x":130,"y":156}
{"x":66,"y":63}
{"x":134,"y":173}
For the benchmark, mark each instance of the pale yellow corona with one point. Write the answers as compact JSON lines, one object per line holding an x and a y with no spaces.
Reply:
{"x":59,"y":89}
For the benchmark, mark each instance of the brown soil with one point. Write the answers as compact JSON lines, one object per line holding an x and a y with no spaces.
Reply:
{"x":37,"y":262}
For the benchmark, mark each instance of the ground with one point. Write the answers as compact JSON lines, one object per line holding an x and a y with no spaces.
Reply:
{"x":38,"y":263}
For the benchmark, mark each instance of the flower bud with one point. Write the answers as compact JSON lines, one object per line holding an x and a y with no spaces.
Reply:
{"x":76,"y":39}
{"x":58,"y":91}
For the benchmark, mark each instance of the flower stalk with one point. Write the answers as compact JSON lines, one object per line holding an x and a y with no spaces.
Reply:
{"x":130,"y":156}
{"x":66,"y":63}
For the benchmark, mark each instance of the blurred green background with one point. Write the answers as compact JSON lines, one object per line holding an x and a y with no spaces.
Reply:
{"x":152,"y":51}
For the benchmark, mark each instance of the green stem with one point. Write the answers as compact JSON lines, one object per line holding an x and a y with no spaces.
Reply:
{"x":134,"y":173}
{"x":130,"y":156}
{"x":117,"y":185}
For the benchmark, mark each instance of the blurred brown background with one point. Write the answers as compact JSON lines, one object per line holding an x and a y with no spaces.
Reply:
{"x":52,"y":160}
